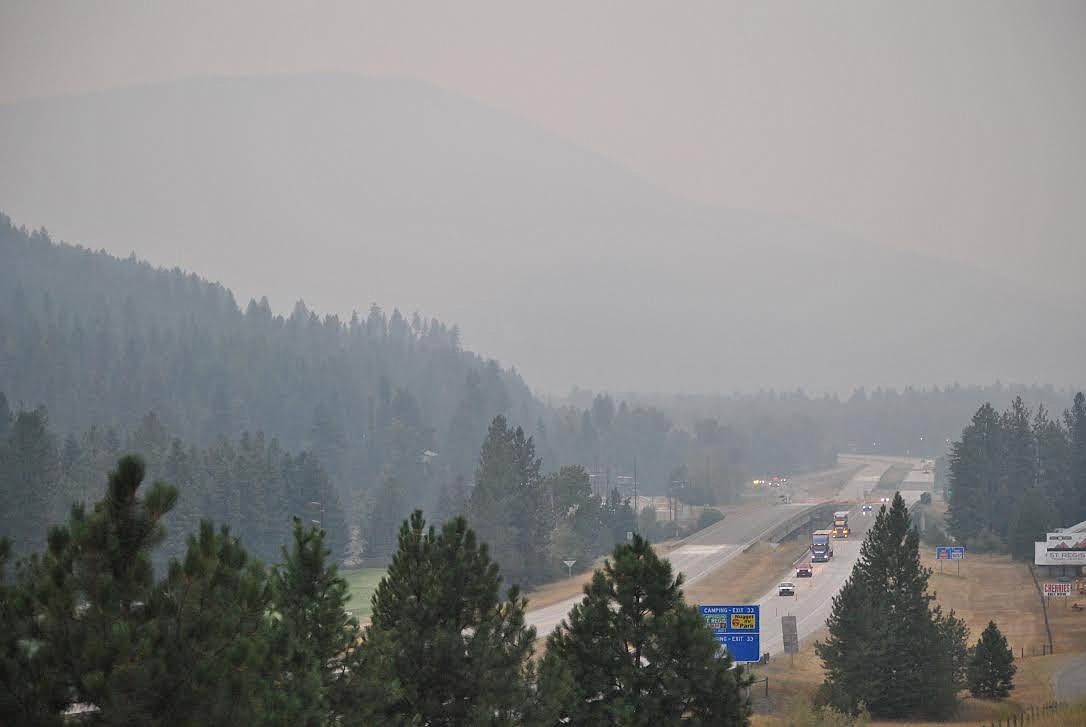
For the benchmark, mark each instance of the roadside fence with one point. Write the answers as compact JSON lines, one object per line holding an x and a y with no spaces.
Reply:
{"x":1027,"y":715}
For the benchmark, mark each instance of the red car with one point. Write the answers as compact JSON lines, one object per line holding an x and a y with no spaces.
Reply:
{"x":804,"y":571}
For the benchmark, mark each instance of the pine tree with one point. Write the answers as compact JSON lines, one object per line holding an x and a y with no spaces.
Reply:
{"x":315,"y":638}
{"x":1033,"y":517}
{"x":92,"y":597}
{"x":887,"y":648}
{"x":211,"y":627}
{"x":634,"y":653}
{"x":1075,"y":418}
{"x":191,"y":649}
{"x":509,"y":504}
{"x":443,"y":647}
{"x":991,"y":665}
{"x":975,"y":473}
{"x":5,"y":415}
{"x":29,"y":480}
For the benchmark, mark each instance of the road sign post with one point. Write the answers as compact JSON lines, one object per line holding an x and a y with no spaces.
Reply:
{"x":737,"y":629}
{"x":950,"y":552}
{"x":569,"y":565}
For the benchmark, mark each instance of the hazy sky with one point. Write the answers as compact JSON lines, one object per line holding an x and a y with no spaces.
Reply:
{"x":951,"y":128}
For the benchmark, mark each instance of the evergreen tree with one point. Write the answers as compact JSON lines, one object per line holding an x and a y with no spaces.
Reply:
{"x":991,"y":665}
{"x":211,"y":656}
{"x":975,"y":474}
{"x":1075,"y":418}
{"x":887,"y":648}
{"x":315,"y":638}
{"x":634,"y":653}
{"x":1033,"y":517}
{"x":443,"y":647}
{"x":5,"y":415}
{"x":92,"y":597}
{"x":510,"y":506}
{"x":388,"y":509}
{"x":188,"y":650}
{"x":29,"y":480}
{"x":31,"y":690}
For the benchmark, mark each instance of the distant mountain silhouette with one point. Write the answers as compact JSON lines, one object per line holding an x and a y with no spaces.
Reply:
{"x":344,"y":190}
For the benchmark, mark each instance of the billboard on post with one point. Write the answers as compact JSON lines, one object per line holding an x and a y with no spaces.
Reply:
{"x":1057,"y":589}
{"x":1061,"y":549}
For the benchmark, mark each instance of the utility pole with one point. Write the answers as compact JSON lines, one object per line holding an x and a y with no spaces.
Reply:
{"x":321,"y":506}
{"x":636,"y":507}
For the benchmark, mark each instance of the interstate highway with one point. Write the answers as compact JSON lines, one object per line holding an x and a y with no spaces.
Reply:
{"x":814,"y":596}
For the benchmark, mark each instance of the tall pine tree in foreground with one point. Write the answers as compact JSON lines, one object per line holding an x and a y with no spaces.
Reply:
{"x":86,"y":623}
{"x":888,"y":649}
{"x":314,"y":635}
{"x":991,"y":665}
{"x":634,"y":653}
{"x":443,"y":647}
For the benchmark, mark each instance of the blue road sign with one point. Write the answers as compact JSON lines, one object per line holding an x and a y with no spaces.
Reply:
{"x":743,"y":649}
{"x":950,"y":552}
{"x":737,"y":628}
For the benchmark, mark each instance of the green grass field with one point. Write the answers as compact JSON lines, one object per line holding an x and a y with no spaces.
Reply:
{"x":362,"y":582}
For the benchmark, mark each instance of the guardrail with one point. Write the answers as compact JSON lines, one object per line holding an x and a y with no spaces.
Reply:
{"x":814,"y":514}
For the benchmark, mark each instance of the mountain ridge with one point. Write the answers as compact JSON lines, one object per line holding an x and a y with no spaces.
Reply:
{"x":549,"y":256}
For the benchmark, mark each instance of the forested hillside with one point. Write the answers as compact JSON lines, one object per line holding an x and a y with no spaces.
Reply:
{"x":390,"y":406}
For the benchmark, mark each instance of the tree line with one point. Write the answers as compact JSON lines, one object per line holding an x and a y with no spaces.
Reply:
{"x":101,"y":341}
{"x":88,"y":629}
{"x":1012,"y":477}
{"x":532,"y":519}
{"x":252,"y":484}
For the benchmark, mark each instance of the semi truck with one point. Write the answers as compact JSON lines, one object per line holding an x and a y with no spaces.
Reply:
{"x":840,"y":524}
{"x":821,"y":547}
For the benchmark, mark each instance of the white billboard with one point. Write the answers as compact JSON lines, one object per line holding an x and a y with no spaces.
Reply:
{"x":1061,"y":549}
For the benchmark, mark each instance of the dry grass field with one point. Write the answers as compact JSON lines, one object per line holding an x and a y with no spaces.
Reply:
{"x":747,"y":577}
{"x":991,"y":587}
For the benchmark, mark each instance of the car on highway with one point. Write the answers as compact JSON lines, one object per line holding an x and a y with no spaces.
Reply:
{"x":867,"y":507}
{"x":804,"y":571}
{"x":787,"y":588}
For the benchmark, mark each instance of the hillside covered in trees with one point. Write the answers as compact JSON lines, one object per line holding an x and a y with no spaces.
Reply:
{"x":387,"y":410}
{"x":390,"y":407}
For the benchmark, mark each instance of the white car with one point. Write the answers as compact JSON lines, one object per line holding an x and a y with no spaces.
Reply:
{"x":787,"y":588}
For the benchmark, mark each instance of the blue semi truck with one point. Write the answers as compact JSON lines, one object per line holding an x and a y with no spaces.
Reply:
{"x":821,"y":546}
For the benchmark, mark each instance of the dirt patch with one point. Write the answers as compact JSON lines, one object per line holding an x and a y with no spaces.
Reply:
{"x":746,"y":577}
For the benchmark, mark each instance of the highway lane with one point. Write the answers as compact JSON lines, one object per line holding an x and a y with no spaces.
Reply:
{"x":814,"y":596}
{"x":711,"y":548}
{"x":697,"y":556}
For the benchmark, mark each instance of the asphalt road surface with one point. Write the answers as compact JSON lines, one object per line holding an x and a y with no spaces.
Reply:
{"x":700,"y":554}
{"x":1069,"y":681}
{"x":709,"y":549}
{"x":814,"y":596}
